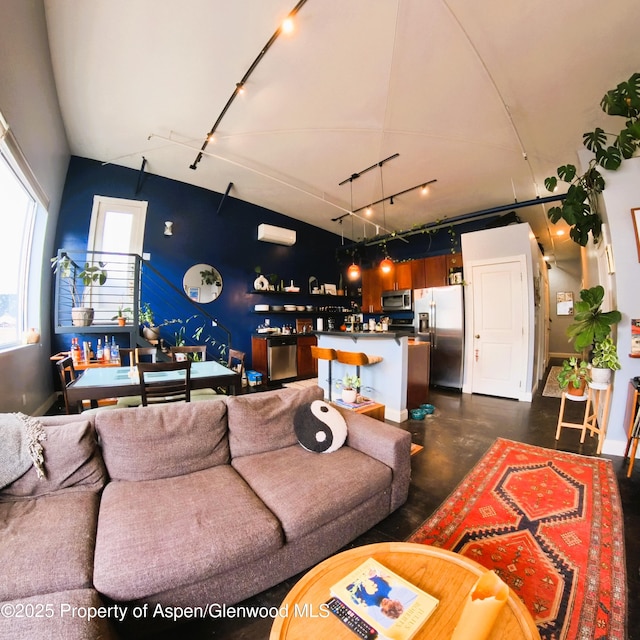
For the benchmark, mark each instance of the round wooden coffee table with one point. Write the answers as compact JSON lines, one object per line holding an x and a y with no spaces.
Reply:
{"x":446,"y":575}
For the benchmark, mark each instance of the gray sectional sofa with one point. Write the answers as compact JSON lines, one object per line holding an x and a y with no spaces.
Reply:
{"x":184,"y":505}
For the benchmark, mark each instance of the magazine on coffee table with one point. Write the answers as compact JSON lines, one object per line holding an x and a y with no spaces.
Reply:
{"x":394,"y":607}
{"x":353,"y":405}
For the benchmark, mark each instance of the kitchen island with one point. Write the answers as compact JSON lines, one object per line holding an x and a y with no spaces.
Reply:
{"x":384,"y":382}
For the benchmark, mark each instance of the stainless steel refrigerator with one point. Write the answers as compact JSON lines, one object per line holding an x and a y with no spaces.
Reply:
{"x":439,"y":318}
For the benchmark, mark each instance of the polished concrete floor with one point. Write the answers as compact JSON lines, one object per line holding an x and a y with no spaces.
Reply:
{"x":454,"y":439}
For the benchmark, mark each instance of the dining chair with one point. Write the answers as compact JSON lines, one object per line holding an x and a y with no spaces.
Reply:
{"x":236,"y":361}
{"x":162,"y":391}
{"x":67,"y":373}
{"x":127,"y":357}
{"x":183,"y":352}
{"x":200,"y":350}
{"x":150,"y":354}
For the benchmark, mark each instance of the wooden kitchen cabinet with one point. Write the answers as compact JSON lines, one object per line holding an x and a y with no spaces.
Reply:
{"x":418,"y":374}
{"x":371,"y":291}
{"x":259,"y":356}
{"x":436,"y":273}
{"x":307,"y":365}
{"x":418,"y":275}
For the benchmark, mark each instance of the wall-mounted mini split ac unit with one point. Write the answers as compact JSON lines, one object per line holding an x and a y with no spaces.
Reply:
{"x":278,"y":235}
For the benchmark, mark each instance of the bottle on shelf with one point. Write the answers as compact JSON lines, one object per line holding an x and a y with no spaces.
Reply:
{"x":76,"y":352}
{"x":99,"y":351}
{"x":115,"y":350}
{"x":106,"y":352}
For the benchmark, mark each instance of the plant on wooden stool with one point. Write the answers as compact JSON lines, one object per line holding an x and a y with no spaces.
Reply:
{"x":574,"y":376}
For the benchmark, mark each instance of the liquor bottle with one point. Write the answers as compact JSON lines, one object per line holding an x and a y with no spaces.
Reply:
{"x":106,"y":354}
{"x":99,"y":351}
{"x":115,"y":350}
{"x":76,"y":352}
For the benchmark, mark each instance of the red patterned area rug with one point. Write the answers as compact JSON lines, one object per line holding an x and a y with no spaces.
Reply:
{"x":550,"y":524}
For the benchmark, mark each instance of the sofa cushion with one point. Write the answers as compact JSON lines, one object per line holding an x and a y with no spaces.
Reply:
{"x":264,"y":421}
{"x":72,"y":462}
{"x":64,"y":615}
{"x":305,"y":490}
{"x":160,"y":534}
{"x":147,"y":443}
{"x":47,"y":544}
{"x":319,"y":427}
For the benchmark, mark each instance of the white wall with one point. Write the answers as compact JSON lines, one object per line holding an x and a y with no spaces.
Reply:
{"x":29,"y":103}
{"x":622,"y":193}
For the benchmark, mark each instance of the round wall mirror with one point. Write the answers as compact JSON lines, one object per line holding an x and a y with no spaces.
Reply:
{"x":202,"y":283}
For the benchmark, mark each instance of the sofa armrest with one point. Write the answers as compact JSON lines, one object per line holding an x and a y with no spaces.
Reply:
{"x":386,"y":443}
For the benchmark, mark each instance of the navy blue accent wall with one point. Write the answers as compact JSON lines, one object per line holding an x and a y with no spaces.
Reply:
{"x":227,"y":240}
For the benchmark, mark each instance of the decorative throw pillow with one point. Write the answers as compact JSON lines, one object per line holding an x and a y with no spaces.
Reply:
{"x":319,"y":427}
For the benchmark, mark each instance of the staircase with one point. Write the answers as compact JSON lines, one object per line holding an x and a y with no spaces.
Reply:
{"x":108,"y":282}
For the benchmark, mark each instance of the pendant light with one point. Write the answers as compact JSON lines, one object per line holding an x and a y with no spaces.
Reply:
{"x":387,"y":264}
{"x":353,"y":273}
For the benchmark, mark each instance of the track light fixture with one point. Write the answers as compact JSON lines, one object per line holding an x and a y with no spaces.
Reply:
{"x":283,"y":27}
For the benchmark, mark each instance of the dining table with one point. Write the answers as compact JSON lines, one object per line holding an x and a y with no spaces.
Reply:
{"x":97,"y":383}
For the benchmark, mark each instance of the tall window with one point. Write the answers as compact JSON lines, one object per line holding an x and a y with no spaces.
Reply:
{"x":22,"y":214}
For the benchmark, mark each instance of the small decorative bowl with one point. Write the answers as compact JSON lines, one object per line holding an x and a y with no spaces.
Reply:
{"x":417,"y":414}
{"x":428,"y":408}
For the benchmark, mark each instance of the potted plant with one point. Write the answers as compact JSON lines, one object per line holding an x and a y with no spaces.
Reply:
{"x":591,"y":325}
{"x":349,"y":385}
{"x":121,"y":316}
{"x":580,"y":206}
{"x":89,"y":276}
{"x":574,"y":376}
{"x":604,"y":360}
{"x":147,"y":320}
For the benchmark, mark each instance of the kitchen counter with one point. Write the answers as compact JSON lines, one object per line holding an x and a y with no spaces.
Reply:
{"x":384,"y":382}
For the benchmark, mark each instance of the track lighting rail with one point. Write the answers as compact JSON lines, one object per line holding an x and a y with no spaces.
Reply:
{"x":240,"y":85}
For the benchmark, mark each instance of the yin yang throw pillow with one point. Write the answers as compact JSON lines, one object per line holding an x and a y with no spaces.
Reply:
{"x":319,"y":427}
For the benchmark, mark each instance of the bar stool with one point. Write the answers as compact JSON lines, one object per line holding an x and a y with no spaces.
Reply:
{"x":322,"y":353}
{"x":358,"y":359}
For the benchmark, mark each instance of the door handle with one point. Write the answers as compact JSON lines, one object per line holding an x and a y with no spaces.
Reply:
{"x":477,"y":336}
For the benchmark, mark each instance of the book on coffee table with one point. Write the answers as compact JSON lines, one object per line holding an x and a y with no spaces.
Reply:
{"x":394,"y":607}
{"x":353,"y":405}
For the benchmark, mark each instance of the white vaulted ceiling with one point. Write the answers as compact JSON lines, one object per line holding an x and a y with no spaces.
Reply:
{"x":487,"y":98}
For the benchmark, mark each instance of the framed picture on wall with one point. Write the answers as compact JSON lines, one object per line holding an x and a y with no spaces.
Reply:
{"x":564,"y":303}
{"x":635,"y":215}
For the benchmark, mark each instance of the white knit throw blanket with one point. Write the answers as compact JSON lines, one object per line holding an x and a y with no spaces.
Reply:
{"x":20,"y":437}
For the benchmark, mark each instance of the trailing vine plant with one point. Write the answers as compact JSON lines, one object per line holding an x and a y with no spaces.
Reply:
{"x":580,"y":207}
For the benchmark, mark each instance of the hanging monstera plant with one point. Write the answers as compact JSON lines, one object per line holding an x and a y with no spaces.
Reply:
{"x":579,"y":209}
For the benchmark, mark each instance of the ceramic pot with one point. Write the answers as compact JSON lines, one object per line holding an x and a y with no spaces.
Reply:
{"x":572,"y":391}
{"x":261,"y":284}
{"x":81,"y":316}
{"x":151,"y":333}
{"x":600,"y":376}
{"x":348,"y":395}
{"x":122,"y":322}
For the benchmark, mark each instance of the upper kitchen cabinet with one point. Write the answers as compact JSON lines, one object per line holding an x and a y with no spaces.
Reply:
{"x":371,"y":291}
{"x":438,"y":268}
{"x":399,"y":278}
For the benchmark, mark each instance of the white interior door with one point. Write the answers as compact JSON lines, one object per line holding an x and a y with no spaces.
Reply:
{"x":499,"y":331}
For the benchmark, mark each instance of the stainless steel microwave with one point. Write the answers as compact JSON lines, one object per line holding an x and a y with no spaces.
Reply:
{"x":401,"y":300}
